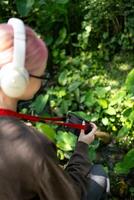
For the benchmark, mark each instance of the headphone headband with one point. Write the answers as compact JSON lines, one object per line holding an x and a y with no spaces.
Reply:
{"x":14,"y":77}
{"x":19,"y":42}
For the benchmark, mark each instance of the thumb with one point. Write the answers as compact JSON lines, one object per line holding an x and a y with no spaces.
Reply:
{"x":82,"y":132}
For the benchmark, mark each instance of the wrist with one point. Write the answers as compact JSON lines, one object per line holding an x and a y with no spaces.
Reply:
{"x":83,"y":141}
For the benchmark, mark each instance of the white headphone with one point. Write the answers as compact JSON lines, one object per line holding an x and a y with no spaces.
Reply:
{"x":14,"y":77}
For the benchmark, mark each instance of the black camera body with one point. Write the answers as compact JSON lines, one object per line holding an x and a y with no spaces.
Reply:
{"x":74,"y":119}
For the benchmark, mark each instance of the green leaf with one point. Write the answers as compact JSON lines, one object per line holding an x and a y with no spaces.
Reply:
{"x":65,"y":141}
{"x":127,"y":112}
{"x":47,"y":130}
{"x":64,"y":106}
{"x":101,"y":92}
{"x":105,"y":121}
{"x":90,"y":100}
{"x":122,"y":132}
{"x":63,"y":77}
{"x":64,"y":146}
{"x":48,"y":40}
{"x":92,"y":154}
{"x":126,"y":164}
{"x":94,"y":117}
{"x":130,"y":81}
{"x":88,"y":28}
{"x":131,"y":116}
{"x":118,"y":97}
{"x":73,"y":86}
{"x":103,"y":103}
{"x":77,"y":94}
{"x":105,"y":35}
{"x":40,"y":102}
{"x":82,"y":115}
{"x":110,"y":111}
{"x":24,"y":6}
{"x":61,"y":38}
{"x":120,"y":168}
{"x":60,"y":154}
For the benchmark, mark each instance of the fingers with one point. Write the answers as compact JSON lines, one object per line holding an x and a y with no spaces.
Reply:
{"x":87,"y":138}
{"x":94,"y":129}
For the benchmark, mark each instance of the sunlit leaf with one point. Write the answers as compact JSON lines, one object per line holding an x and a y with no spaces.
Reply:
{"x":47,"y":130}
{"x":83,"y":115}
{"x":103,"y":103}
{"x":130,"y":81}
{"x":60,"y":154}
{"x":88,"y":28}
{"x":64,"y":146}
{"x":110,"y":111}
{"x":131,"y":116}
{"x":118,"y":97}
{"x":94,"y":117}
{"x":105,"y":121}
{"x":101,"y":92}
{"x":63,"y":77}
{"x":65,"y":141}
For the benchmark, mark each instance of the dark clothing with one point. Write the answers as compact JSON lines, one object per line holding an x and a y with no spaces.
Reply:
{"x":29,"y":168}
{"x":98,"y":184}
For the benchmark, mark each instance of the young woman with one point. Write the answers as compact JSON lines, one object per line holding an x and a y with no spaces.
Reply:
{"x":29,"y":168}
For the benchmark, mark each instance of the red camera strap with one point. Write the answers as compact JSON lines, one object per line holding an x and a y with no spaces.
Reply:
{"x":54,"y":120}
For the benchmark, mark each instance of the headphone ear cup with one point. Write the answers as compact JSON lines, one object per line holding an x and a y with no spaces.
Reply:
{"x":13,"y":80}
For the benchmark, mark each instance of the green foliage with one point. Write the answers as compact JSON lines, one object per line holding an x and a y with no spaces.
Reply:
{"x":24,"y":7}
{"x":92,"y":150}
{"x":130,"y":82}
{"x":39,"y":104}
{"x":90,"y":65}
{"x":65,"y":141}
{"x":112,"y":28}
{"x":126,"y":164}
{"x":47,"y":130}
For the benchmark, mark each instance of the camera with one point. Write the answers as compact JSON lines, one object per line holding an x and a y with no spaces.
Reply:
{"x":74,"y":119}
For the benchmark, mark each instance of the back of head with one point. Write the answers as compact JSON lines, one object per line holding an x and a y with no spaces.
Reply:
{"x":21,"y":53}
{"x":36,"y":50}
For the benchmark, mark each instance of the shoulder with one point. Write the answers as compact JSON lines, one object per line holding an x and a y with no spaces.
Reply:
{"x":25,"y":139}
